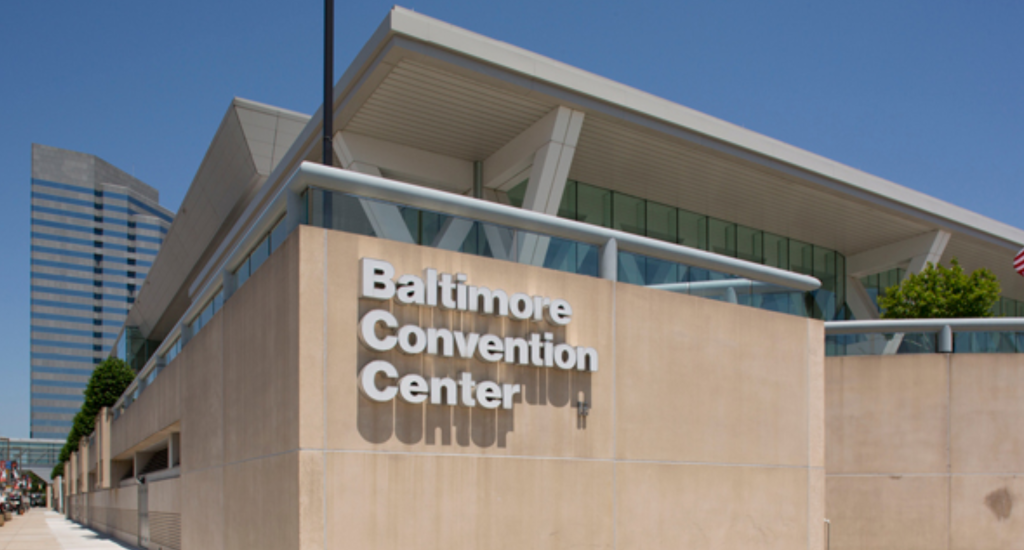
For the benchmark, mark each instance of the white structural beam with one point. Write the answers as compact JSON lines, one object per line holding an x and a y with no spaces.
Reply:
{"x":404,"y":163}
{"x":542,"y":154}
{"x":859,"y":301}
{"x":386,"y":219}
{"x":914,"y":252}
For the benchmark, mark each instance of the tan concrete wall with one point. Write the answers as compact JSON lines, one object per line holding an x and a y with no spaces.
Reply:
{"x":239,"y":421}
{"x":707,"y":426}
{"x":926,"y":451}
{"x":165,"y":514}
{"x":153,"y":413}
{"x":115,"y":512}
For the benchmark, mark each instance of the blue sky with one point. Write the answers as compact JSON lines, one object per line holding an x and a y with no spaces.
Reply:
{"x":924,"y":93}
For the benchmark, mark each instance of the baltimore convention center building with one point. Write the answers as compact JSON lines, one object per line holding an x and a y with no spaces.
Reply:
{"x":532,"y":308}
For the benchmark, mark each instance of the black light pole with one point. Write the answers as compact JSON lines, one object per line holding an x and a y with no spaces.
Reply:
{"x":328,"y":158}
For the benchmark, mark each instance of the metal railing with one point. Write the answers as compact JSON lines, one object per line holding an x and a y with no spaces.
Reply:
{"x":609,"y":240}
{"x":990,"y":335}
{"x":288,"y":204}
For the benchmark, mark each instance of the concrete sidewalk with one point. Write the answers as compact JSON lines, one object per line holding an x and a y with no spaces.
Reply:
{"x":47,"y":530}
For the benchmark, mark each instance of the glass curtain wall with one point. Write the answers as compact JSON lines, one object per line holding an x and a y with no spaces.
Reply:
{"x":591,"y":204}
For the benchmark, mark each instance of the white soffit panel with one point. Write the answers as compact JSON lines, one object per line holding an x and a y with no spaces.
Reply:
{"x":434,"y":110}
{"x":973,"y":254}
{"x":616,"y":156}
{"x":547,"y":76}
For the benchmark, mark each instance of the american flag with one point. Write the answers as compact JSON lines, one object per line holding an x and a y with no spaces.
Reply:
{"x":1018,"y":262}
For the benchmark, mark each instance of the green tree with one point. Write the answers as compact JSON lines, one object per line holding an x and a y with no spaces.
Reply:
{"x":108,"y":382}
{"x":939,"y":292}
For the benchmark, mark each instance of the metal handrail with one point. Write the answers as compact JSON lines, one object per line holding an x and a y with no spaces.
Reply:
{"x":944,"y":327}
{"x":309,"y":174}
{"x":885,"y":326}
{"x":722,"y":286}
{"x":372,"y":187}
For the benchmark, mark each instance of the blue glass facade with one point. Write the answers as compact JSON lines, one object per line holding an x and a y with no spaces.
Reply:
{"x":95,"y":233}
{"x":591,"y":204}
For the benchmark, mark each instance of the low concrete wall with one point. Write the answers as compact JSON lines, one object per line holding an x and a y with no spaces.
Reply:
{"x":115,"y":512}
{"x":165,"y":515}
{"x":706,"y":428}
{"x":157,"y":408}
{"x":926,"y":451}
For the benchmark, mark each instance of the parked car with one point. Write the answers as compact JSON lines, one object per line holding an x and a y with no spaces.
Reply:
{"x":38,"y":499}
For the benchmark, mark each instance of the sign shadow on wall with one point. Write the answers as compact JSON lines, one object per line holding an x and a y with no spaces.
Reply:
{"x":459,"y":425}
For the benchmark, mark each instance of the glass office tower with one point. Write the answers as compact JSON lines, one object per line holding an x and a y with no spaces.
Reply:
{"x":95,"y":233}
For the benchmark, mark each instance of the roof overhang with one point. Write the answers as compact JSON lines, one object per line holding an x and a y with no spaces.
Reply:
{"x":426,"y":85}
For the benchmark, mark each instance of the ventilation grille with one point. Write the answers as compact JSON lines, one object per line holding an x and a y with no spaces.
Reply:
{"x":156,"y":463}
{"x":165,"y":531}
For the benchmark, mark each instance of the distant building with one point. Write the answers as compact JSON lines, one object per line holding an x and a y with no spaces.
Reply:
{"x":95,"y":233}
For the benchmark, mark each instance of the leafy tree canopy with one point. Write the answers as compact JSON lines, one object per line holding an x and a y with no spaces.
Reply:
{"x":939,"y":292}
{"x":108,"y":382}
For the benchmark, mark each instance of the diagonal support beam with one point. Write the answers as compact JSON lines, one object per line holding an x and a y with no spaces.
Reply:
{"x":386,"y":219}
{"x":915,"y":252}
{"x":927,"y":247}
{"x":401,"y":162}
{"x":543,"y":153}
{"x":859,"y":300}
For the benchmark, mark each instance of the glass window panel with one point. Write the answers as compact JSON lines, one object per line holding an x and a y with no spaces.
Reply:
{"x":632,"y":268}
{"x":629,"y":214}
{"x":916,"y":342}
{"x":870,"y":282}
{"x":593,"y":205}
{"x":243,"y":272}
{"x":889,"y":279}
{"x":801,"y":257}
{"x":871,"y":287}
{"x":587,"y":259}
{"x":475,"y":241}
{"x":693,"y":230}
{"x":316,"y":207}
{"x":567,"y":209}
{"x":776,"y":251}
{"x":662,"y":222}
{"x":826,"y":305}
{"x":412,"y":222}
{"x":749,"y":244}
{"x":660,"y":272}
{"x":561,"y":255}
{"x":259,"y":254}
{"x":517,"y":194}
{"x":694,"y":274}
{"x":840,"y":280}
{"x":722,"y":237}
{"x":348,"y":213}
{"x":1020,"y":309}
{"x":431,"y":225}
{"x":825,"y":267}
{"x":304,"y":215}
{"x":207,"y":314}
{"x":277,"y":235}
